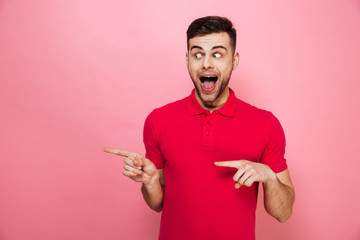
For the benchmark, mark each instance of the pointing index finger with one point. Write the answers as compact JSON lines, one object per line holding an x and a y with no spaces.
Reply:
{"x":233,"y":164}
{"x":117,"y":151}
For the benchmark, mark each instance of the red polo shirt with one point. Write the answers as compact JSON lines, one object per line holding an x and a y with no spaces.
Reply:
{"x":200,"y":201}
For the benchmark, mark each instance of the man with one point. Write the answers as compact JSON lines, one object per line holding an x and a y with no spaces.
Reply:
{"x":198,"y":147}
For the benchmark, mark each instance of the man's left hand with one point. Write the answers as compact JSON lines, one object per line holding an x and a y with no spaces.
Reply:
{"x":248,"y":172}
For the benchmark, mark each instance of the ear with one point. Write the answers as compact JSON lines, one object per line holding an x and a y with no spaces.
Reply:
{"x":187,"y":59}
{"x":236,"y":60}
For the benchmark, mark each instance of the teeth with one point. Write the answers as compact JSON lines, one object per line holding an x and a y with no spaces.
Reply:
{"x":208,"y":78}
{"x":208,"y":81}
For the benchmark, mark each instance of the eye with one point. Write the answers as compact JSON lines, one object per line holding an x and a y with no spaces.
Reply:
{"x":217,"y":55}
{"x":198,"y":55}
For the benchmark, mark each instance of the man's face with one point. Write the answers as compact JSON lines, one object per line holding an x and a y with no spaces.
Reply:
{"x":210,"y":61}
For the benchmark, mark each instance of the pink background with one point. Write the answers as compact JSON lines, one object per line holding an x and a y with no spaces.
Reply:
{"x":76,"y":76}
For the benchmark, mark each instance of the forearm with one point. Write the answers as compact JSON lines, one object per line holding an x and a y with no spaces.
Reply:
{"x":278,"y":199}
{"x":153,"y":195}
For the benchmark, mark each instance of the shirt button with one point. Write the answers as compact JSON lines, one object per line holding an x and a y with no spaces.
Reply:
{"x":205,"y":114}
{"x":207,"y":134}
{"x":208,"y":122}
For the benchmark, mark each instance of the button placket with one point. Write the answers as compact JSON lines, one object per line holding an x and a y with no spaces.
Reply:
{"x":208,"y":131}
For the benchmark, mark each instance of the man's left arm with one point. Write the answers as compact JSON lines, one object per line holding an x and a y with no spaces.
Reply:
{"x":279,"y":193}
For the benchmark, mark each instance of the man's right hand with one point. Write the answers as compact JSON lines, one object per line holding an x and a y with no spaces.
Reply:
{"x":137,"y":167}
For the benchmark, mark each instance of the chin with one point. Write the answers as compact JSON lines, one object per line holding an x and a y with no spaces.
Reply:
{"x":208,"y":99}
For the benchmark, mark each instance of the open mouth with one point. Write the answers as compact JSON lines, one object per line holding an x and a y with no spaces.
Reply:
{"x":208,"y":82}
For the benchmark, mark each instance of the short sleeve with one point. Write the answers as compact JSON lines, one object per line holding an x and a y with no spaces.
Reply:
{"x":274,"y":151}
{"x":150,"y":138}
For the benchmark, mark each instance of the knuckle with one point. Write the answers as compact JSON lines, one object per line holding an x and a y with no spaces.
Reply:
{"x":246,"y":166}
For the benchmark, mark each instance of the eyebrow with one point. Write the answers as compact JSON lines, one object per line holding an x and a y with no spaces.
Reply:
{"x":215,"y":47}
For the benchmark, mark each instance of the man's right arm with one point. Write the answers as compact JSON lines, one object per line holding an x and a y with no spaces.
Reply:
{"x":153,"y":192}
{"x":141,"y":169}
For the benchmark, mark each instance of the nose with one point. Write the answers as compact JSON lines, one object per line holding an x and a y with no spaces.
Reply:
{"x":207,"y":63}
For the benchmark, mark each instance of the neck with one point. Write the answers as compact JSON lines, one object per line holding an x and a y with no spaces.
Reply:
{"x":217,"y":104}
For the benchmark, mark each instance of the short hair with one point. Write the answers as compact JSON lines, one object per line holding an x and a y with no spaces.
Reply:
{"x":211,"y":24}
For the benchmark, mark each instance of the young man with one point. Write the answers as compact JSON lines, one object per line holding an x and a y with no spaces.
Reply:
{"x":198,"y":147}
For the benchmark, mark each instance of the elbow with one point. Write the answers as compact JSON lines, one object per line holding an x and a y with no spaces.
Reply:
{"x":284,"y":218}
{"x":281,"y":215}
{"x":157,"y":209}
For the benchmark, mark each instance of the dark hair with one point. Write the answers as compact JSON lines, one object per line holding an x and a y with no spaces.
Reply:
{"x":211,"y":24}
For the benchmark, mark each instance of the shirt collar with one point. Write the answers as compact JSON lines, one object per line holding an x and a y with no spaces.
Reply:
{"x":228,"y":110}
